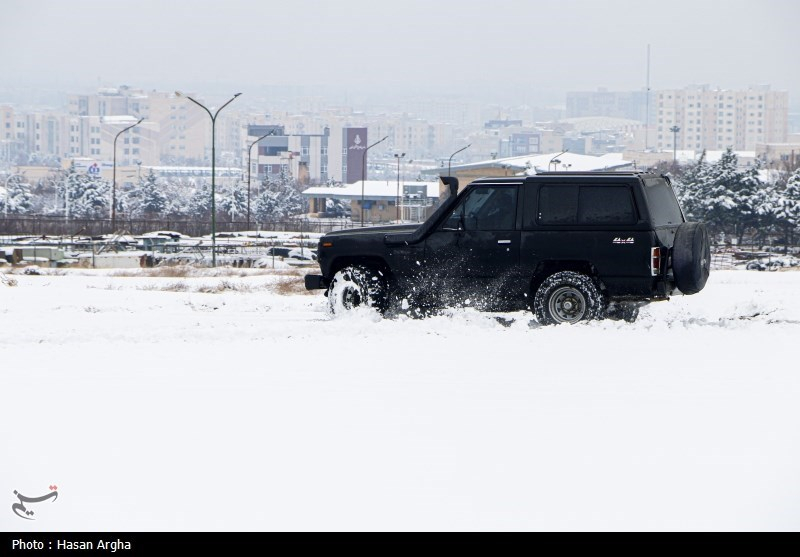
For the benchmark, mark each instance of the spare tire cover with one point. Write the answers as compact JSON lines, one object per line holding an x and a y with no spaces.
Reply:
{"x":691,"y":257}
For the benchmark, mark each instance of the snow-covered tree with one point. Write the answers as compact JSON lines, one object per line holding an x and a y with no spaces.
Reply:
{"x":232,"y":200}
{"x":728,"y":198}
{"x":279,"y":199}
{"x":787,"y":209}
{"x":692,"y":187}
{"x":199,"y":203}
{"x":153,"y":199}
{"x":17,"y":194}
{"x":85,"y":196}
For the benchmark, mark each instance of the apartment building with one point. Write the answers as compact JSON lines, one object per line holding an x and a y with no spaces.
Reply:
{"x":40,"y":133}
{"x":303,"y":157}
{"x":630,"y":105}
{"x":175,"y":130}
{"x":698,"y":117}
{"x":10,"y":137}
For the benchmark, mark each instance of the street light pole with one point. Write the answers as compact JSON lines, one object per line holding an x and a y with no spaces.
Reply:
{"x":364,"y":173}
{"x":397,"y":200}
{"x":555,"y":161}
{"x":249,"y":152}
{"x":674,"y":130}
{"x":453,"y":155}
{"x":213,"y":170}
{"x":114,"y":179}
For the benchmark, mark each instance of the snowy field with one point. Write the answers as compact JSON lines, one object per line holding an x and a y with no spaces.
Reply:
{"x":237,"y":403}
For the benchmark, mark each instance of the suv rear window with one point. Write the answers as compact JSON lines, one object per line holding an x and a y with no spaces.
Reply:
{"x":663,"y":204}
{"x":585,"y":205}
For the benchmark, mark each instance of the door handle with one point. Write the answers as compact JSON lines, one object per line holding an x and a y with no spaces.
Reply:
{"x":503,"y":241}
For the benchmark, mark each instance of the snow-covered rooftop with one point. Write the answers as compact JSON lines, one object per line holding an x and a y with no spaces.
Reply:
{"x":119,"y":119}
{"x":596,"y":123}
{"x":373,"y":189}
{"x":531,"y":164}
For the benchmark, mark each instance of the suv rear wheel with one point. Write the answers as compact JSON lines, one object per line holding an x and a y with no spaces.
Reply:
{"x":567,"y":297}
{"x":357,"y":286}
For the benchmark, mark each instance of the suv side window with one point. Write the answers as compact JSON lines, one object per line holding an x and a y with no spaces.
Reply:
{"x":605,"y":205}
{"x":664,"y":208}
{"x":558,"y":204}
{"x":485,"y":208}
{"x":587,"y":205}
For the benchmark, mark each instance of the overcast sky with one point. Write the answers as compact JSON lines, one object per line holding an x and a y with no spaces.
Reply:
{"x":433,"y":45}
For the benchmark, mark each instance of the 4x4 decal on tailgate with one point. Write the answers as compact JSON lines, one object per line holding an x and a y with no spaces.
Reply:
{"x":622,"y":241}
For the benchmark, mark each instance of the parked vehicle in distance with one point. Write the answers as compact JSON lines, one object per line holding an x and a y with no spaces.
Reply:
{"x":278,"y":251}
{"x":569,"y":246}
{"x":304,"y":254}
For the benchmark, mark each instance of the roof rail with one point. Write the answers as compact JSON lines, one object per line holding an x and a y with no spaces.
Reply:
{"x":592,"y":172}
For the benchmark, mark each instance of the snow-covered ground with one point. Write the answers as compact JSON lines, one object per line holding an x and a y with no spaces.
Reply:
{"x":230,"y":403}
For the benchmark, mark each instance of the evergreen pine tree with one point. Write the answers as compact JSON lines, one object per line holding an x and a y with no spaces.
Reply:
{"x":153,"y":199}
{"x":233,"y":200}
{"x":18,"y":196}
{"x":199,"y":204}
{"x":279,"y":199}
{"x":787,"y":209}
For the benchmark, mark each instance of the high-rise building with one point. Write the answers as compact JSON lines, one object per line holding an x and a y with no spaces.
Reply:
{"x":175,"y":131}
{"x":698,"y":117}
{"x":631,"y":105}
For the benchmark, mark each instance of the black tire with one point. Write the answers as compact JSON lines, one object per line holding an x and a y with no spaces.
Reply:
{"x":567,"y":297}
{"x":357,"y":286}
{"x":691,"y":257}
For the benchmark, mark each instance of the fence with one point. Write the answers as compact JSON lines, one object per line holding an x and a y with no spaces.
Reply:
{"x":58,"y":226}
{"x":768,"y":257}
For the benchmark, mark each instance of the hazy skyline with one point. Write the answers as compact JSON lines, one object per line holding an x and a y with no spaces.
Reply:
{"x":529,"y":51}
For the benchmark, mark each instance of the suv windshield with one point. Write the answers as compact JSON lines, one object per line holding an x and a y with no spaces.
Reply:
{"x":664,"y":208}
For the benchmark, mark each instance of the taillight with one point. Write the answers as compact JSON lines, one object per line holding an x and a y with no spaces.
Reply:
{"x":655,"y":261}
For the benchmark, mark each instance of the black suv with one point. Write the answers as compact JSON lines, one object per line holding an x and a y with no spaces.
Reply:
{"x":570,"y":246}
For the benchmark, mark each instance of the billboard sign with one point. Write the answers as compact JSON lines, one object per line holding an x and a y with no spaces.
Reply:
{"x":355,"y":141}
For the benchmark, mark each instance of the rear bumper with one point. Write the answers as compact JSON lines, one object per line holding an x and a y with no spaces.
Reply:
{"x":316,"y":282}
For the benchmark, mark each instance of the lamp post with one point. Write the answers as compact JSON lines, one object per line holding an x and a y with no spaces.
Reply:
{"x":213,"y":170}
{"x":249,"y":152}
{"x":364,"y":173}
{"x":555,"y":161}
{"x":453,"y":155}
{"x":674,"y":130}
{"x":397,"y":200}
{"x":114,"y":178}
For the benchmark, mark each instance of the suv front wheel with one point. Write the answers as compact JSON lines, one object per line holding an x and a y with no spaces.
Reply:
{"x":567,"y":297}
{"x":357,"y":286}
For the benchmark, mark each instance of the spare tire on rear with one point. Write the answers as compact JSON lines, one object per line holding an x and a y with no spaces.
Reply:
{"x":691,"y":257}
